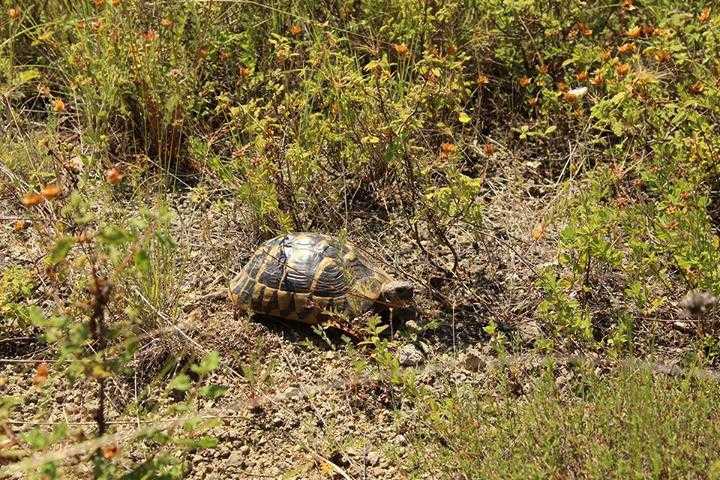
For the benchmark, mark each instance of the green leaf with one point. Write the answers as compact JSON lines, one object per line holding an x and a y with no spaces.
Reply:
{"x":207,"y":364}
{"x":25,"y":76}
{"x":115,"y":236}
{"x":180,"y":382}
{"x":201,"y":442}
{"x":60,"y":250}
{"x":142,"y":261}
{"x":213,"y":391}
{"x":464,"y":117}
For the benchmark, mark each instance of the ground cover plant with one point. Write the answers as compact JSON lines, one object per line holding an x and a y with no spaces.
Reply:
{"x":545,"y":172}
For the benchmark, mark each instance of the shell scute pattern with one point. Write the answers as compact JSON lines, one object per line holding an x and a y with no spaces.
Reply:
{"x":307,"y":276}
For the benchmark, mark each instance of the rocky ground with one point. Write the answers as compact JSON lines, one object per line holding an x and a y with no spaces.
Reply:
{"x":300,"y":404}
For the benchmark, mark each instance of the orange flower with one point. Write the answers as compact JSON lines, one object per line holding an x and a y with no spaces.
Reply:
{"x":605,"y":55}
{"x":634,"y":32}
{"x":150,"y":36}
{"x":58,"y":105}
{"x":32,"y":199}
{"x":562,"y":86}
{"x":13,"y":13}
{"x":244,"y":72}
{"x":581,"y":76}
{"x":96,"y":24}
{"x":41,"y":374}
{"x":622,"y":69}
{"x":109,"y":451}
{"x":99,"y":3}
{"x":50,"y":191}
{"x":115,"y":3}
{"x":538,"y":231}
{"x":696,"y":88}
{"x":704,"y":15}
{"x":400,"y":48}
{"x":166,"y":23}
{"x":584,"y":30}
{"x":448,"y":148}
{"x":575,"y":94}
{"x":598,"y":79}
{"x":20,"y":225}
{"x":648,"y":30}
{"x":626,"y":48}
{"x":482,"y":80}
{"x":532,"y":101}
{"x":628,"y":4}
{"x":295,"y":30}
{"x":662,"y":56}
{"x":524,"y":81}
{"x":488,"y":149}
{"x":113,"y":175}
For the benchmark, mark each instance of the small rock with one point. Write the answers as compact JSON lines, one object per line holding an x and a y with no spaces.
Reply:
{"x":472,"y":361}
{"x":293,"y":393}
{"x":697,"y":303}
{"x":412,"y":326}
{"x":529,"y":331}
{"x":236,"y":459}
{"x":410,"y":356}
{"x":372,"y":458}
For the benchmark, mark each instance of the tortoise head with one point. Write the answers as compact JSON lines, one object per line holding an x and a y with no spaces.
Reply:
{"x":397,"y":293}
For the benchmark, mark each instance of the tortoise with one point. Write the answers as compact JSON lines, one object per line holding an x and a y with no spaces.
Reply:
{"x":313,"y":278}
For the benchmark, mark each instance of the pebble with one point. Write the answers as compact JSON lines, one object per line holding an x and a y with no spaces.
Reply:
{"x":472,"y":361}
{"x":529,"y":331}
{"x":410,"y":356}
{"x":372,"y":458}
{"x":236,"y":459}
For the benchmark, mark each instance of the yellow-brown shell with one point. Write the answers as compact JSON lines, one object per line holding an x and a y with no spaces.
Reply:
{"x":308,"y":277}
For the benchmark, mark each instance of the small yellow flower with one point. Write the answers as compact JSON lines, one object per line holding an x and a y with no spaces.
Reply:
{"x":634,"y":32}
{"x":58,"y":105}
{"x":400,"y":48}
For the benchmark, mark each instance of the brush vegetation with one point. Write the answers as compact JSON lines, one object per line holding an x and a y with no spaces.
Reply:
{"x":542,"y":163}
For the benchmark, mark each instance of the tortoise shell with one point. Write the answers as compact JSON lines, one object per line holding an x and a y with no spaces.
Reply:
{"x":308,"y":277}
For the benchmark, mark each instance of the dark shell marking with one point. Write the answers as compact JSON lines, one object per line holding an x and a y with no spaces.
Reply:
{"x":308,"y":277}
